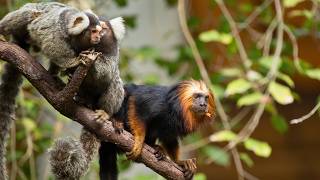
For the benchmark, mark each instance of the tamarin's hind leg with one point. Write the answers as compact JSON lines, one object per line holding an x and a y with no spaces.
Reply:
{"x":159,"y":152}
{"x":137,"y":129}
{"x":188,"y":165}
{"x":108,"y":161}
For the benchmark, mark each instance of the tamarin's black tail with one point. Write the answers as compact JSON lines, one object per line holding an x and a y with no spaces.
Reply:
{"x":108,"y":161}
{"x":10,"y":83}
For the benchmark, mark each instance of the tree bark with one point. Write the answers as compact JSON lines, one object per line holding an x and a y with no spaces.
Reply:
{"x":50,"y":90}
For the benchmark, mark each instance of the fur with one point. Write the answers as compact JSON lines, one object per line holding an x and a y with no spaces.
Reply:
{"x":44,"y":25}
{"x":77,"y":23}
{"x":67,"y":152}
{"x":161,"y":113}
{"x":118,"y":27}
{"x":101,"y":89}
{"x":9,"y":88}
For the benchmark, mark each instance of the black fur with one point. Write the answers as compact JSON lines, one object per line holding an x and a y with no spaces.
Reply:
{"x":160,"y":110}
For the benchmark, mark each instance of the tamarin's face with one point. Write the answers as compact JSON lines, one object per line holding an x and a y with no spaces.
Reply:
{"x":200,"y":103}
{"x":197,"y":98}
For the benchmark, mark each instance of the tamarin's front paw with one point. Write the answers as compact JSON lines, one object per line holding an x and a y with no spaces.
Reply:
{"x":189,"y":167}
{"x":118,"y":126}
{"x":159,"y":152}
{"x":88,"y":56}
{"x":101,"y":116}
{"x":134,"y":153}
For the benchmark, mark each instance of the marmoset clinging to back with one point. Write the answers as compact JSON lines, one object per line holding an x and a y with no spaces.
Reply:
{"x":61,"y":32}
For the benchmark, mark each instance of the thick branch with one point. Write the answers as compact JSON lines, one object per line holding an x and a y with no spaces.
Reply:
{"x":49,"y":88}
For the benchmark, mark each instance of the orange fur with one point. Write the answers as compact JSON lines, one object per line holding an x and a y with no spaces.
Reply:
{"x":137,"y":128}
{"x":186,"y":91}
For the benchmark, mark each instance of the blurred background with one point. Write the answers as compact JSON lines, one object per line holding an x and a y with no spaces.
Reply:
{"x":261,"y":57}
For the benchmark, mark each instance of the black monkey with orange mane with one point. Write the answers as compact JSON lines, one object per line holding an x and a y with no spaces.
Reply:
{"x":164,"y":113}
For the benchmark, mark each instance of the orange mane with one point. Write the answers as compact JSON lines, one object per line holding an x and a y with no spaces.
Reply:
{"x":185,"y":93}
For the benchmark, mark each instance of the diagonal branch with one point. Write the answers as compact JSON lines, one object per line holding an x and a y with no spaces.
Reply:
{"x":49,"y":88}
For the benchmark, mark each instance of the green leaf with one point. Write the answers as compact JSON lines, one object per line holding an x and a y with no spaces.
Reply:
{"x":29,"y":124}
{"x":250,"y":99}
{"x":213,"y":35}
{"x":291,"y":3}
{"x":286,"y":79}
{"x":313,"y":73}
{"x":266,"y":62}
{"x":200,"y":176}
{"x":218,"y":91}
{"x":279,"y":123}
{"x":238,"y":86}
{"x":260,"y":148}
{"x":246,"y":159}
{"x":254,"y":75}
{"x":231,"y":72}
{"x":224,"y":135}
{"x":306,"y":13}
{"x":217,"y":154}
{"x":280,"y":93}
{"x":131,"y":21}
{"x":121,"y":3}
{"x":147,"y":53}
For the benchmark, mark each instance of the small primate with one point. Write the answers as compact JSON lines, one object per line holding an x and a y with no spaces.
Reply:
{"x":161,"y":113}
{"x":61,"y":33}
{"x":102,"y":90}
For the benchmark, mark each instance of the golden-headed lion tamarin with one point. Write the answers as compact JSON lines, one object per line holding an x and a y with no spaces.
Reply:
{"x":164,"y":113}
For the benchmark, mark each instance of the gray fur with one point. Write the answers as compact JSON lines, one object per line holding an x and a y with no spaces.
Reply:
{"x":67,"y":159}
{"x":70,"y":159}
{"x":9,"y":89}
{"x":103,"y":79}
{"x":46,"y":24}
{"x":20,"y":18}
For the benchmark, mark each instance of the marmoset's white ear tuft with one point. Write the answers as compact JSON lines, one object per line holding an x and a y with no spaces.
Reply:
{"x":77,"y":23}
{"x":118,"y":27}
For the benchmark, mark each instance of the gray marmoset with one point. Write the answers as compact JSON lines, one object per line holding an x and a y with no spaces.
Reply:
{"x":103,"y":91}
{"x":60,"y":31}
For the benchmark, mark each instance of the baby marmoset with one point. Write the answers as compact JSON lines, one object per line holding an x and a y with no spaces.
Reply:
{"x":103,"y":91}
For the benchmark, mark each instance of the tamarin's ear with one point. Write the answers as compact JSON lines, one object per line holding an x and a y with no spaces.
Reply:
{"x":118,"y":27}
{"x":76,"y":23}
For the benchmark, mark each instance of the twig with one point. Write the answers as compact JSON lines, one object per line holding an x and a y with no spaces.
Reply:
{"x":254,"y":121}
{"x":295,"y":52}
{"x":255,"y":14}
{"x":235,"y":120}
{"x":279,"y":44}
{"x":265,"y":41}
{"x":49,"y":88}
{"x":205,"y":76}
{"x":311,"y":113}
{"x":196,"y":145}
{"x":235,"y":32}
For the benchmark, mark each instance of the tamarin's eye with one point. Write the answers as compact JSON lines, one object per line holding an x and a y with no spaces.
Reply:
{"x":94,"y":30}
{"x":197,"y":95}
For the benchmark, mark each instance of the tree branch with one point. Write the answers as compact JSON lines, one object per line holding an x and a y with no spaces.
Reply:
{"x":49,"y":88}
